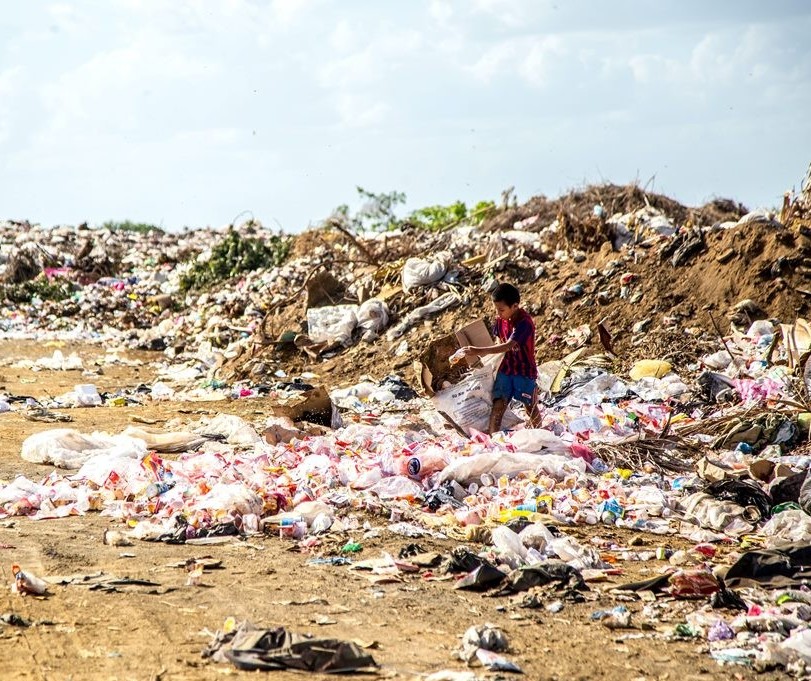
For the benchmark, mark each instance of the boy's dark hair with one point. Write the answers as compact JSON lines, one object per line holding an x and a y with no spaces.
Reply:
{"x":507,"y":294}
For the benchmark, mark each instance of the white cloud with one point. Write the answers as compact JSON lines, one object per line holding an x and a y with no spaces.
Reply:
{"x":343,"y":36}
{"x":358,"y":111}
{"x":494,"y":60}
{"x":509,"y":12}
{"x":441,"y":11}
{"x":105,"y":87}
{"x":288,"y":11}
{"x":537,"y":64}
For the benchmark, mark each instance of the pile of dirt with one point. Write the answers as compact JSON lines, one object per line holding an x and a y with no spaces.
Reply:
{"x":661,"y":295}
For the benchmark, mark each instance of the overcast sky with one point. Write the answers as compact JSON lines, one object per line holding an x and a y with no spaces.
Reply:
{"x":188,"y":112}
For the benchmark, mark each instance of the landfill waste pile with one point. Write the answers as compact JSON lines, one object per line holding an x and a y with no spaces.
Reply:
{"x":675,"y":391}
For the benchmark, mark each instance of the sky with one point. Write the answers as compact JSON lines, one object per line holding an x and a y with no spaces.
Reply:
{"x":192,"y":112}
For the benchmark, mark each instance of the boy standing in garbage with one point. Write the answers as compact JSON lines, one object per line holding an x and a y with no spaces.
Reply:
{"x":518,"y":373}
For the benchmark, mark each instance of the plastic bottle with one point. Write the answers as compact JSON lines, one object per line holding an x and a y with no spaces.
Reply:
{"x":456,"y":357}
{"x":26,"y":583}
{"x":423,"y":464}
{"x":155,"y":489}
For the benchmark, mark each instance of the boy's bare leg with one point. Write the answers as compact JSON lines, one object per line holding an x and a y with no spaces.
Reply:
{"x":497,"y":413}
{"x":535,"y":416}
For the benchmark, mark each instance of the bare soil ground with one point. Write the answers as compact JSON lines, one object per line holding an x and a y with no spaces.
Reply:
{"x":150,"y":633}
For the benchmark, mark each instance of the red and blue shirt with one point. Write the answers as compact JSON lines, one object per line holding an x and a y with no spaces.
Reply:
{"x":520,"y":359}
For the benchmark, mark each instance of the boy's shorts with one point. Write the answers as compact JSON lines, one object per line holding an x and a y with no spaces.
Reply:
{"x":519,"y":388}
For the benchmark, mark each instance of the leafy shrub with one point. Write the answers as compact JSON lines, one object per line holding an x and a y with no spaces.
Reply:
{"x":54,"y":289}
{"x":235,"y":255}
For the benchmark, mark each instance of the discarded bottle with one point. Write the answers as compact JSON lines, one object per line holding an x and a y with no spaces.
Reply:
{"x":456,"y":357}
{"x":26,"y":583}
{"x":423,"y":464}
{"x":155,"y":489}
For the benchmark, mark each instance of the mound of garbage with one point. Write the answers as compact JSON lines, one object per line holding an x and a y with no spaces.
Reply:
{"x":675,"y":387}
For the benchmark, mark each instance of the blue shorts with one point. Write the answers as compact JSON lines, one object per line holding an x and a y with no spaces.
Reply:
{"x":521,"y":388}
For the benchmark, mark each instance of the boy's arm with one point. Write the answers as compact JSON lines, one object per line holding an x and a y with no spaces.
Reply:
{"x":478,"y":351}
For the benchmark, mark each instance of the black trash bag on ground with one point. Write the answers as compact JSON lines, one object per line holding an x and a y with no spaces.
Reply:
{"x":778,"y":568}
{"x":727,"y":599}
{"x":555,"y":572}
{"x":484,"y":577}
{"x":742,"y":493}
{"x":788,"y":489}
{"x":402,"y":391}
{"x":279,"y":649}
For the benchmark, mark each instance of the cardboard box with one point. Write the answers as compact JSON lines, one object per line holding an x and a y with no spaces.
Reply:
{"x":434,"y":370}
{"x":313,"y":406}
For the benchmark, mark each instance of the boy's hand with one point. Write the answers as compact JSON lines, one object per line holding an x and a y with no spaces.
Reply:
{"x":470,"y":351}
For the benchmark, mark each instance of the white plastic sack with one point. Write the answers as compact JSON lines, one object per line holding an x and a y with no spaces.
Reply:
{"x":791,"y":525}
{"x":495,"y":464}
{"x":396,"y":487}
{"x":722,"y":516}
{"x":68,"y":448}
{"x":236,"y":430}
{"x":373,"y":316}
{"x":234,"y":498}
{"x":424,"y":271}
{"x":332,"y":324}
{"x":534,"y":440}
{"x":469,"y":402}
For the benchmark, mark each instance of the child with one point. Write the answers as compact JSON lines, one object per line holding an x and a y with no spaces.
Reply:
{"x":518,"y":373}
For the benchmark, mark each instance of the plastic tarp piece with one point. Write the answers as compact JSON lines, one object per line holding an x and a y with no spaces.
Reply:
{"x":333,"y":324}
{"x":443,"y":302}
{"x":469,"y":403}
{"x":70,"y":449}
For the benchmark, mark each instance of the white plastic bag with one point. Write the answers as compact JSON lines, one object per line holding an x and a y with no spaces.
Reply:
{"x":68,"y":448}
{"x":333,"y":324}
{"x":533,"y":440}
{"x":233,"y":498}
{"x":236,"y":430}
{"x":373,"y":316}
{"x":469,"y":402}
{"x":424,"y":271}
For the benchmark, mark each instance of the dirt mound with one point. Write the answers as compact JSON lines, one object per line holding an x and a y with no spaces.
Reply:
{"x":650,"y":306}
{"x":578,"y":208}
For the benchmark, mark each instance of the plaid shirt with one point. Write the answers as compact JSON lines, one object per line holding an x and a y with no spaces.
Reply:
{"x":520,"y":360}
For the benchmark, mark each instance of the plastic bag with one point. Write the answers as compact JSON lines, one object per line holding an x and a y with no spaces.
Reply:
{"x":791,"y":525}
{"x":423,"y":271}
{"x":396,"y":487}
{"x":333,"y":324}
{"x":534,"y":440}
{"x":233,"y":498}
{"x":236,"y":430}
{"x":508,"y":542}
{"x":373,"y":316}
{"x":87,"y":395}
{"x":495,"y":464}
{"x":722,"y":516}
{"x":470,"y":401}
{"x":68,"y":448}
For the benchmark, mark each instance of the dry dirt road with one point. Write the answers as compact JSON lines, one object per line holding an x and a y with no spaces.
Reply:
{"x":158,"y":632}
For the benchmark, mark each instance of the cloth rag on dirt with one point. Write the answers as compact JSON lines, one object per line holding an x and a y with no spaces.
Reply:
{"x":251,"y":649}
{"x":787,"y":566}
